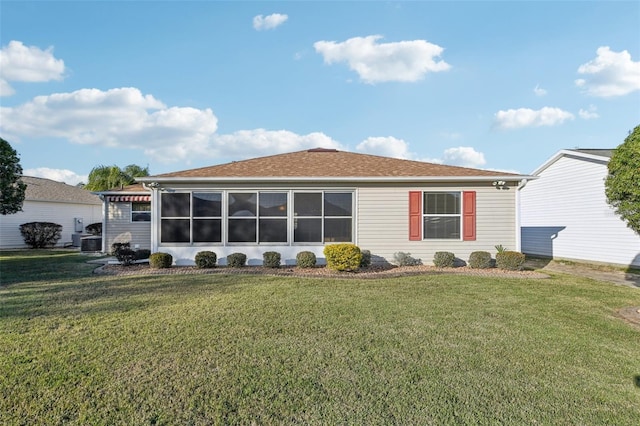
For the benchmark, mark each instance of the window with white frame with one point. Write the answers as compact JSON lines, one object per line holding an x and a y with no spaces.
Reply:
{"x":257,"y":217}
{"x":191,"y":217}
{"x":140,"y":211}
{"x":323,"y":217}
{"x":442,"y":215}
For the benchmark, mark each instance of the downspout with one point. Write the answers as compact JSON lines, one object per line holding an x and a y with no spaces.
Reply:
{"x":521,"y":185}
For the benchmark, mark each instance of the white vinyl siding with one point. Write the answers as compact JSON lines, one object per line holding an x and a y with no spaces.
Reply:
{"x":44,"y":211}
{"x":383,"y":222}
{"x":564,"y":214}
{"x":120,"y":229}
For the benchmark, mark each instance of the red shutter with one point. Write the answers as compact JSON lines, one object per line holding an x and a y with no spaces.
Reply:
{"x":415,"y":215}
{"x":469,"y":215}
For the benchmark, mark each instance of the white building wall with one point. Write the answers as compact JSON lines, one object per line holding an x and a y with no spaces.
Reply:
{"x":40,"y":211}
{"x":564,"y":214}
{"x":120,"y":228}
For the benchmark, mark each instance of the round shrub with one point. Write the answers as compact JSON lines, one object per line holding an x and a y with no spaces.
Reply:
{"x":271,"y":259}
{"x":236,"y":260}
{"x":444,"y":259}
{"x":206,"y":259}
{"x":343,"y":257}
{"x":40,"y":234}
{"x":405,"y":259}
{"x":366,"y":259}
{"x":94,"y":228}
{"x":306,"y":259}
{"x":143,"y":254}
{"x":160,"y":260}
{"x":480,"y":260}
{"x":510,"y":260}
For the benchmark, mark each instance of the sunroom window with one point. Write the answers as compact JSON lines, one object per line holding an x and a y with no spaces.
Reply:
{"x":322,"y":217}
{"x":257,"y":217}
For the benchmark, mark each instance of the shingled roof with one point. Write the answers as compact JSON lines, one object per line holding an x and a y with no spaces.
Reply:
{"x":326,"y":163}
{"x":41,"y":189}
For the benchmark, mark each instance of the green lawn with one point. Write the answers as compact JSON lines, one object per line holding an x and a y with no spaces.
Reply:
{"x":221,"y":349}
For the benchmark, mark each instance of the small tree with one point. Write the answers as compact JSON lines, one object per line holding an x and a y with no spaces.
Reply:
{"x":12,"y":189}
{"x":622,"y":185}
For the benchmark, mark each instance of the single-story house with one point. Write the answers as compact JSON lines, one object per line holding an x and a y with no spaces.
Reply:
{"x":564,"y":213}
{"x":126,"y":217}
{"x":49,"y":201}
{"x":302,"y":201}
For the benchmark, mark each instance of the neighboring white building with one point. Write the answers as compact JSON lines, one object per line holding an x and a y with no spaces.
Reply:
{"x":564,"y":213}
{"x":50,"y":201}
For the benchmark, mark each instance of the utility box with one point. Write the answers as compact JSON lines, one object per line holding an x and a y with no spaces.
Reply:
{"x":78,"y":224}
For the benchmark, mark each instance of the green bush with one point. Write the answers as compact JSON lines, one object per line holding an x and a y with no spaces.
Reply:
{"x":206,"y":259}
{"x":306,"y":259}
{"x":40,"y":234}
{"x":160,"y":260}
{"x":366,"y":259}
{"x":271,"y":259}
{"x":404,"y":259}
{"x":480,"y":260}
{"x":510,"y":260}
{"x":143,"y":254}
{"x":236,"y":260}
{"x":94,"y":228}
{"x":444,"y":259}
{"x":343,"y":257}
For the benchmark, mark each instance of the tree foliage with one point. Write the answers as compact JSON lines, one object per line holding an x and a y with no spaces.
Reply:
{"x":12,"y":189}
{"x":622,"y":185}
{"x":102,"y":178}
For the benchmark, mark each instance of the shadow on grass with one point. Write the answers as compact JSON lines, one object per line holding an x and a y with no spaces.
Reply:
{"x":637,"y":380}
{"x":92,"y":295}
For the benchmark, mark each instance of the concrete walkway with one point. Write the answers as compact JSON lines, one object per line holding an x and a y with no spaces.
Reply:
{"x":595,"y":272}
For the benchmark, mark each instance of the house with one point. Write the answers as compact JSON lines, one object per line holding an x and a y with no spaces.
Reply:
{"x":302,"y":201}
{"x":49,"y":201}
{"x":126,"y":217}
{"x":564,"y":213}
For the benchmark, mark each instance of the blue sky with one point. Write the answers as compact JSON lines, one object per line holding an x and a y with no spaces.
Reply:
{"x":178,"y":85}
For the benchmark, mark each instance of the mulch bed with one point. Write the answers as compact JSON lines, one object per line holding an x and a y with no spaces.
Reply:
{"x":320,"y":271}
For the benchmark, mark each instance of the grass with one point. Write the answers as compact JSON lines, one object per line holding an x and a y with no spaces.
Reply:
{"x":224,"y":349}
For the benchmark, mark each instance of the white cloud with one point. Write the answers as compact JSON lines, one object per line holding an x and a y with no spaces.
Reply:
{"x":464,"y":156}
{"x":539,"y":91}
{"x":589,"y":114}
{"x":122,"y":118}
{"x":610,"y":74}
{"x":27,"y":64}
{"x":405,"y":61}
{"x":60,"y":175}
{"x":258,"y":142}
{"x":269,"y":22}
{"x":385,"y":146}
{"x":525,"y":117}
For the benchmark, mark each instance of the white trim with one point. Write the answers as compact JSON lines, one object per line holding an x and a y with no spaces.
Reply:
{"x":350,"y":179}
{"x":565,"y":153}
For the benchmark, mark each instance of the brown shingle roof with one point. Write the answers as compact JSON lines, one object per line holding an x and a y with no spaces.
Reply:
{"x":328,"y":163}
{"x":41,"y":189}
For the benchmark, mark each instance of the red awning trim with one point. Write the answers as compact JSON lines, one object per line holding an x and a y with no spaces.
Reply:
{"x":128,"y":198}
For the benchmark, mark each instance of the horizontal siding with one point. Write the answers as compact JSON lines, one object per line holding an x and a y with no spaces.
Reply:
{"x":38,"y":211}
{"x":564,"y":214}
{"x":383,"y":226}
{"x":120,"y":229}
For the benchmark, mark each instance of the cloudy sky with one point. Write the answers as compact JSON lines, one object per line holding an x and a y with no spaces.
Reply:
{"x":177,"y":85}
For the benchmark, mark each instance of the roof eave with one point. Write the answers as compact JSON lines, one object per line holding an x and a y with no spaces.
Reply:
{"x":341,"y":179}
{"x":568,"y":152}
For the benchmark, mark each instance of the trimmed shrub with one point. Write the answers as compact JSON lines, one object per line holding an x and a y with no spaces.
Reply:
{"x":160,"y":260}
{"x":404,"y":259}
{"x":236,"y":260}
{"x":343,"y":257}
{"x":444,"y":259}
{"x":510,"y":260}
{"x":40,"y":234}
{"x":366,"y":259}
{"x":116,"y":247}
{"x":142,"y":254}
{"x":94,"y":228}
{"x":125,"y":255}
{"x":306,"y":259}
{"x":480,"y":260}
{"x":271,"y":259}
{"x":206,"y":259}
